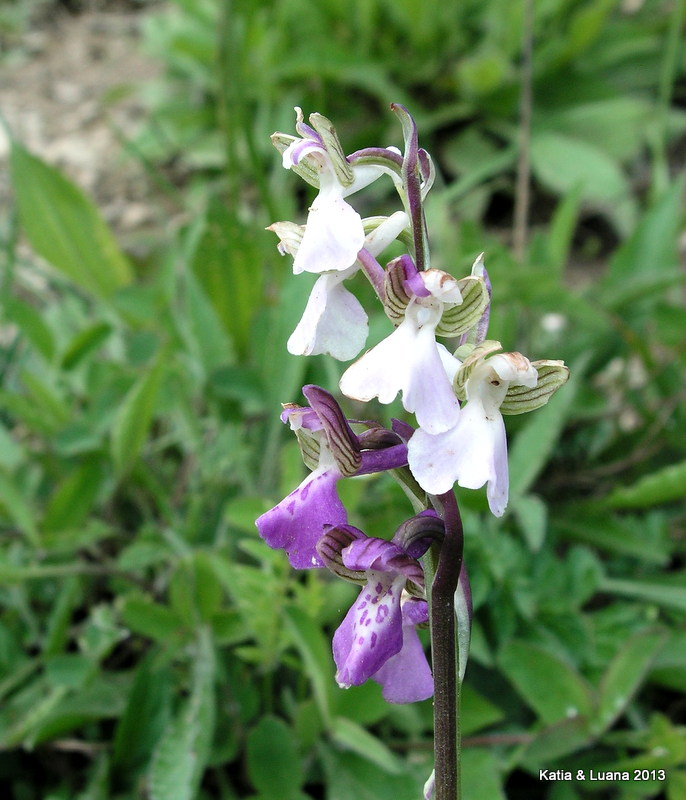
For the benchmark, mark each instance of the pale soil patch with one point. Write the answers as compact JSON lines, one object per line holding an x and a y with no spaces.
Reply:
{"x":67,"y":94}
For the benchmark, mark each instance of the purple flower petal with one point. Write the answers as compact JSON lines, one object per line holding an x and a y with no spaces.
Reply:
{"x":381,"y":556}
{"x":406,"y":677}
{"x":297,"y":523}
{"x":371,"y":632}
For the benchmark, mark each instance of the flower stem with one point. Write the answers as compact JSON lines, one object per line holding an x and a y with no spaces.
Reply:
{"x":374,"y":272}
{"x":444,"y":653}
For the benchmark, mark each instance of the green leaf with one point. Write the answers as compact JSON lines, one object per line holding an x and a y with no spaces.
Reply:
{"x":624,"y":676}
{"x":561,"y":231}
{"x":652,"y":247}
{"x":316,"y":655}
{"x":476,"y":711}
{"x":556,"y":741}
{"x":70,"y":670}
{"x":666,"y":485}
{"x":355,"y":738}
{"x":661,"y":593}
{"x":530,"y":667}
{"x":206,"y":337}
{"x":225,"y":264}
{"x":132,"y":422}
{"x":32,"y":325}
{"x":150,"y":619}
{"x":181,"y":756}
{"x":145,"y":716}
{"x":273,"y":761}
{"x":65,"y":228}
{"x":615,"y":124}
{"x":676,"y":788}
{"x":532,"y":515}
{"x":18,"y":508}
{"x":481,"y":775}
{"x":195,"y":592}
{"x":624,"y":535}
{"x":84,"y":343}
{"x":74,"y":496}
{"x":565,"y":164}
{"x":351,"y":777}
{"x":669,"y":667}
{"x":67,"y":600}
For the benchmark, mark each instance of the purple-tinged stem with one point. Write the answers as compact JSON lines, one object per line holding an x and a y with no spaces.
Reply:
{"x":412,"y":182}
{"x":444,"y":654}
{"x":374,"y":272}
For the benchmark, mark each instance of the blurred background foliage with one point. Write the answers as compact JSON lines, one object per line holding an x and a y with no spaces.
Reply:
{"x":150,"y":644}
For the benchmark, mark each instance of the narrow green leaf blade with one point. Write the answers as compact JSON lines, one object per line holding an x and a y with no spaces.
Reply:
{"x":530,"y":667}
{"x":309,"y":640}
{"x":356,"y":738}
{"x":18,"y":509}
{"x":661,"y":593}
{"x":624,"y":676}
{"x":132,"y":422}
{"x":273,"y":762}
{"x":663,"y":486}
{"x":65,"y":228}
{"x":181,"y":756}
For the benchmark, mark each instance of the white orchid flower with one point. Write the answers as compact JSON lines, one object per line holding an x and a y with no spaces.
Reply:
{"x":474,"y":451}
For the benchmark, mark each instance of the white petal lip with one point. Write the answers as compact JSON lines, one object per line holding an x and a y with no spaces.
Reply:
{"x":333,"y":322}
{"x":473,"y":453}
{"x":382,"y":371}
{"x":407,"y":361}
{"x":334,"y":233}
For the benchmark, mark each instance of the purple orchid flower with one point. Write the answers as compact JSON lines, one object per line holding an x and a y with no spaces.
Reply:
{"x":378,"y":637}
{"x":297,"y":523}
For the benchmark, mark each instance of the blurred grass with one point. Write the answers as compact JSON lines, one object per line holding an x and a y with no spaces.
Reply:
{"x":150,"y":645}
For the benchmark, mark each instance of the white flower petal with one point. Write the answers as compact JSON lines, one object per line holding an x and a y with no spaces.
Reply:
{"x":514,"y":368}
{"x":428,"y":391}
{"x":382,"y":371}
{"x":473,"y":453}
{"x":333,"y":322}
{"x":334,"y":234}
{"x":450,"y":363}
{"x":379,"y":239}
{"x":407,"y":361}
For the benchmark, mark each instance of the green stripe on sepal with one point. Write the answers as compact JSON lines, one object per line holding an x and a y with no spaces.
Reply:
{"x":310,"y":447}
{"x":469,"y":360}
{"x":457,"y":319}
{"x":330,"y":548}
{"x":520,"y":399}
{"x":397,"y":299}
{"x":305,"y":168}
{"x":326,"y":130}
